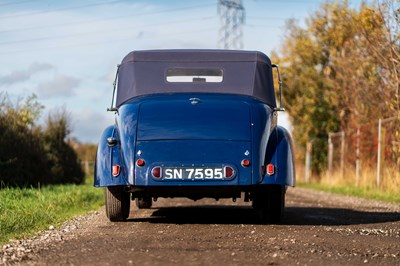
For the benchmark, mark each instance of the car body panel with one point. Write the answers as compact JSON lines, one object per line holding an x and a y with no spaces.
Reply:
{"x":280,"y":153}
{"x":193,"y":153}
{"x":107,"y":157}
{"x":177,"y":118}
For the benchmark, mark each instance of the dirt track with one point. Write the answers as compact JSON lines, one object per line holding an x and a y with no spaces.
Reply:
{"x":318,"y":229}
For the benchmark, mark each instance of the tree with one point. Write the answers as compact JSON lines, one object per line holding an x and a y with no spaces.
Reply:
{"x":86,"y":153}
{"x":62,"y":159}
{"x":341,"y":71}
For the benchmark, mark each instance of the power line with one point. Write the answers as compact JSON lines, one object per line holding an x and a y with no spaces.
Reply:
{"x":15,"y":3}
{"x":101,"y":31}
{"x":107,"y":19}
{"x":109,"y":41}
{"x":263,"y":18}
{"x":290,"y":1}
{"x":262,"y":26}
{"x":59,"y":9}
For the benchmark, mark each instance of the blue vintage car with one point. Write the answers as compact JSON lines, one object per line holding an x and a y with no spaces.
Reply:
{"x":195,"y":124}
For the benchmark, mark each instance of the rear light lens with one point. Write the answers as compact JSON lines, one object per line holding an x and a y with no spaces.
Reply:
{"x":270,"y":169}
{"x":245,"y":163}
{"x":140,"y":162}
{"x":115,"y":170}
{"x":156,"y":172}
{"x":229,"y":172}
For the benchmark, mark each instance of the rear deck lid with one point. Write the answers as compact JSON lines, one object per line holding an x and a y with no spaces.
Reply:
{"x":188,"y":118}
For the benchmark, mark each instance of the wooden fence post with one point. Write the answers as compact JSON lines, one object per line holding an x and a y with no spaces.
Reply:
{"x":308,"y":162}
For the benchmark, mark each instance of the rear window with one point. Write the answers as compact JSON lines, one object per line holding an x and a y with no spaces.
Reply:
{"x":194,"y":75}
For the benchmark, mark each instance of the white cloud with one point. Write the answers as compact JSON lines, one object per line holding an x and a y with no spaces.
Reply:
{"x":88,"y":125}
{"x":58,"y":86}
{"x":18,"y":76}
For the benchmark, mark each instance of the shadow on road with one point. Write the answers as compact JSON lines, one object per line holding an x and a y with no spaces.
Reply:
{"x":212,"y":214}
{"x":336,"y":216}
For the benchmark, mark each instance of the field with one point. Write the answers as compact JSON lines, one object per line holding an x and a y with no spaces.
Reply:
{"x":365,"y":186}
{"x":26,"y":211}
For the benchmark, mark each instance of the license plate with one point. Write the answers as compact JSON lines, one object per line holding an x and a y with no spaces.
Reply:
{"x":197,"y":173}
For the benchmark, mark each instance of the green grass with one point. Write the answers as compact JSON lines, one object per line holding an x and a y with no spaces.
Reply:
{"x":368,"y":193}
{"x":26,"y":211}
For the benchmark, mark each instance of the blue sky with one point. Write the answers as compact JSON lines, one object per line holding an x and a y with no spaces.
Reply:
{"x":66,"y":52}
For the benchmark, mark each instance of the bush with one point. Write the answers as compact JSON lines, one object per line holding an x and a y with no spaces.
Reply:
{"x":30,"y":156}
{"x":21,"y":157}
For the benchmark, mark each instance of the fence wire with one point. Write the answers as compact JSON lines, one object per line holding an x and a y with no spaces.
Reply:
{"x":368,"y":152}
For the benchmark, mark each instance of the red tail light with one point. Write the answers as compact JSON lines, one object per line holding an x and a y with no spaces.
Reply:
{"x":115,"y":170}
{"x":229,"y":172}
{"x":245,"y":163}
{"x":140,"y":162}
{"x":270,"y":169}
{"x":156,"y":172}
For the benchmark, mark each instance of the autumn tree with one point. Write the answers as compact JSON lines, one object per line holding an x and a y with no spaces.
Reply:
{"x":341,"y":71}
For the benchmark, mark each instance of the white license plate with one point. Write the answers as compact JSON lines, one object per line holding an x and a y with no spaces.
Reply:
{"x":195,"y":173}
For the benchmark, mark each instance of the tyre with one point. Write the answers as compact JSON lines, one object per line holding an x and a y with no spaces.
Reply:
{"x":117,"y":203}
{"x":269,"y":201}
{"x":144,"y":203}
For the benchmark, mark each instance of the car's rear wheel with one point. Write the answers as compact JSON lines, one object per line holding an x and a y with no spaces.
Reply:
{"x":269,"y":201}
{"x":144,"y":203}
{"x":117,"y":203}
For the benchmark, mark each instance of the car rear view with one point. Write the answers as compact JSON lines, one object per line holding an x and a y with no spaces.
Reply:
{"x":195,"y":124}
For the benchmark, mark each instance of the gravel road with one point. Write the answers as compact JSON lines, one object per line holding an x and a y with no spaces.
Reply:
{"x":318,"y":229}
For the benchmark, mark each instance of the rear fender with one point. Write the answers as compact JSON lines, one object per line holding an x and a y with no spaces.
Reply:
{"x":106,"y":157}
{"x":280,"y":154}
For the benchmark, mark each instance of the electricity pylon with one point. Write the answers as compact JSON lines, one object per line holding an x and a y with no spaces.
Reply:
{"x":232,"y":16}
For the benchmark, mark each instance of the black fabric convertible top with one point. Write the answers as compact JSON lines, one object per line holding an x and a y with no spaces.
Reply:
{"x":244,"y":72}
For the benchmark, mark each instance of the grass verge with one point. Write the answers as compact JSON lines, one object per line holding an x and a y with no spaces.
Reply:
{"x":26,"y":211}
{"x":362,"y":192}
